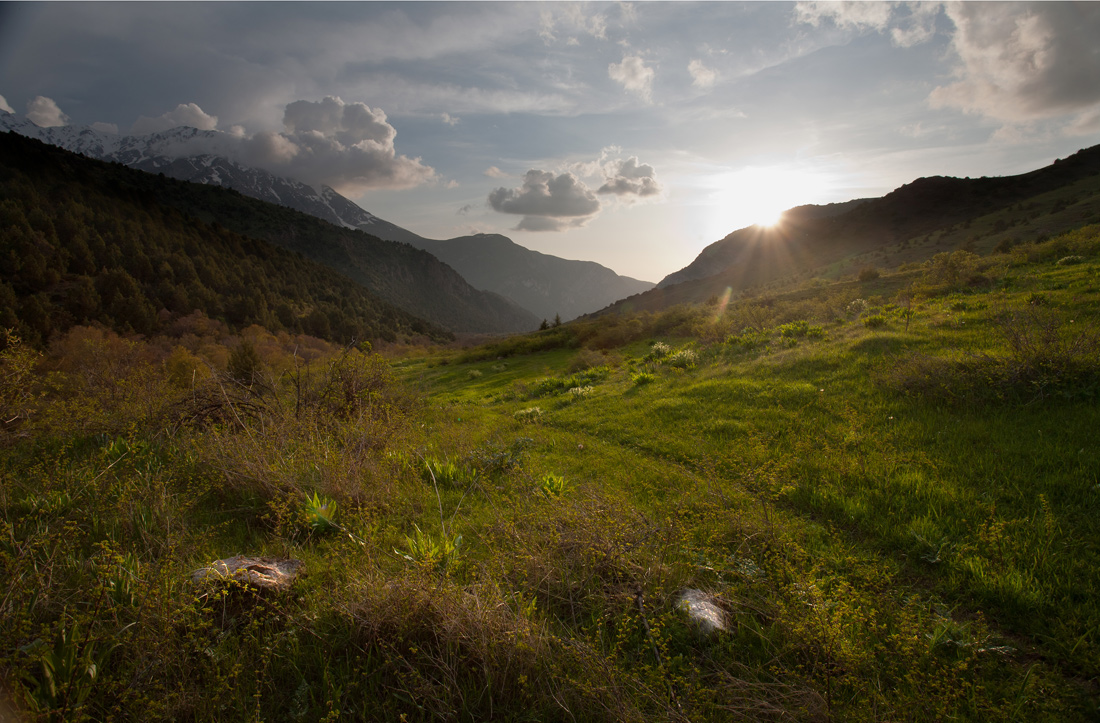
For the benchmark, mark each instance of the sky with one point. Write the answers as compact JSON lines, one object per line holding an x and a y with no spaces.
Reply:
{"x":631,"y":134}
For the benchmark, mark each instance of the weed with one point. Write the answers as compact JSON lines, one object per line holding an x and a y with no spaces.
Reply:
{"x":319,"y":513}
{"x":427,"y":551}
{"x":642,"y":378}
{"x":552,"y":485}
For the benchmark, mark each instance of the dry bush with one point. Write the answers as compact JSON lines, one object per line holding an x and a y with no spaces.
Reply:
{"x":581,"y":556}
{"x":462,"y":653}
{"x":103,"y":383}
{"x":323,"y":431}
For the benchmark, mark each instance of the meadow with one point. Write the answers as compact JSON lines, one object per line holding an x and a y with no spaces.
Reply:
{"x":889,"y":483}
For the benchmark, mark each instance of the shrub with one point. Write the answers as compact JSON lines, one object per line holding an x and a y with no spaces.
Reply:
{"x":529,"y":415}
{"x":683,"y":359}
{"x":878,"y":321}
{"x":577,"y":393}
{"x":642,"y":378}
{"x":473,"y":374}
{"x":868,"y":273}
{"x":658,"y":350}
{"x":857,"y":307}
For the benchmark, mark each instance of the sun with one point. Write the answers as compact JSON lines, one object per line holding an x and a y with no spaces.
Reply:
{"x":768,"y":217}
{"x":758,"y":195}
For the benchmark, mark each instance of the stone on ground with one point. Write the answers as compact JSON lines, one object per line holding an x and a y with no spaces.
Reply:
{"x":263,"y":572}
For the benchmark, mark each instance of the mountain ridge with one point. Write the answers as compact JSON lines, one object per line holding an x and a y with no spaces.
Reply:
{"x":925,"y":213}
{"x":543,"y":284}
{"x":916,"y":208}
{"x":411,"y":279}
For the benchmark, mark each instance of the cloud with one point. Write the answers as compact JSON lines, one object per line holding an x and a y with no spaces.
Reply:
{"x":634,"y":75}
{"x":450,"y":119}
{"x":349,"y":146}
{"x":464,"y":209}
{"x":918,"y":27}
{"x":44,"y":113}
{"x":853,"y":15}
{"x":4,"y":105}
{"x":494,"y":172}
{"x":1020,"y":62}
{"x":909,"y":23}
{"x":572,"y":18}
{"x":701,"y":75}
{"x":629,"y":178}
{"x":105,"y":128}
{"x":547,"y":202}
{"x":184,"y":114}
{"x":345,"y":123}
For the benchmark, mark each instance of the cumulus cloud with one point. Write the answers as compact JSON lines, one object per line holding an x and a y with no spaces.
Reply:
{"x":1021,"y":62}
{"x":44,"y":113}
{"x":349,"y":146}
{"x":450,"y":119}
{"x":634,"y":75}
{"x":494,"y":172}
{"x":184,"y":114}
{"x":4,"y":105}
{"x":630,"y":179}
{"x":547,"y":202}
{"x":105,"y":128}
{"x":701,"y":75}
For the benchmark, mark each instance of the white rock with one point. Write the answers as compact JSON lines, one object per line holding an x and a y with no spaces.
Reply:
{"x":263,"y":572}
{"x":703,"y":610}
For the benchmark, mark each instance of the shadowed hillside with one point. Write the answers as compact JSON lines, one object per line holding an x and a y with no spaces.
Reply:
{"x":81,"y":242}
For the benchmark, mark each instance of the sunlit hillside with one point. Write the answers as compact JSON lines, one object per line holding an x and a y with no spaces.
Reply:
{"x":883,"y":490}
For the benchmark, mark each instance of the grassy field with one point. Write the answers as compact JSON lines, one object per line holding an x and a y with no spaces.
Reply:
{"x":890,"y":486}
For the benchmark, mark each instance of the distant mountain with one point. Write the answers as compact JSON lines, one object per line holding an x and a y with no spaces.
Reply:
{"x":810,"y":237}
{"x":407,"y":277}
{"x":547,"y":285}
{"x":543,"y":284}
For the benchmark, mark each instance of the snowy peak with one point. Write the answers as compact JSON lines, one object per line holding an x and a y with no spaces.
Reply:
{"x":198,"y":156}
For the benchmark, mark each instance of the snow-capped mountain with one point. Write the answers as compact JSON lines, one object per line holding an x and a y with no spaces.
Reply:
{"x":198,"y":156}
{"x":543,"y":284}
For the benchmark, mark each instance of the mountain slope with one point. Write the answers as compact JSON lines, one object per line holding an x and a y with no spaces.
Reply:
{"x":81,"y":242}
{"x":409,"y":278}
{"x":545,"y":284}
{"x":812,"y":237}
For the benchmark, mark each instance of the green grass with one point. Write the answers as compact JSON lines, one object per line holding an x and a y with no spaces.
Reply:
{"x":900,"y":519}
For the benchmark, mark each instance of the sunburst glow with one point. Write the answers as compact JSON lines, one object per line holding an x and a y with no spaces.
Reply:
{"x":760,"y":195}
